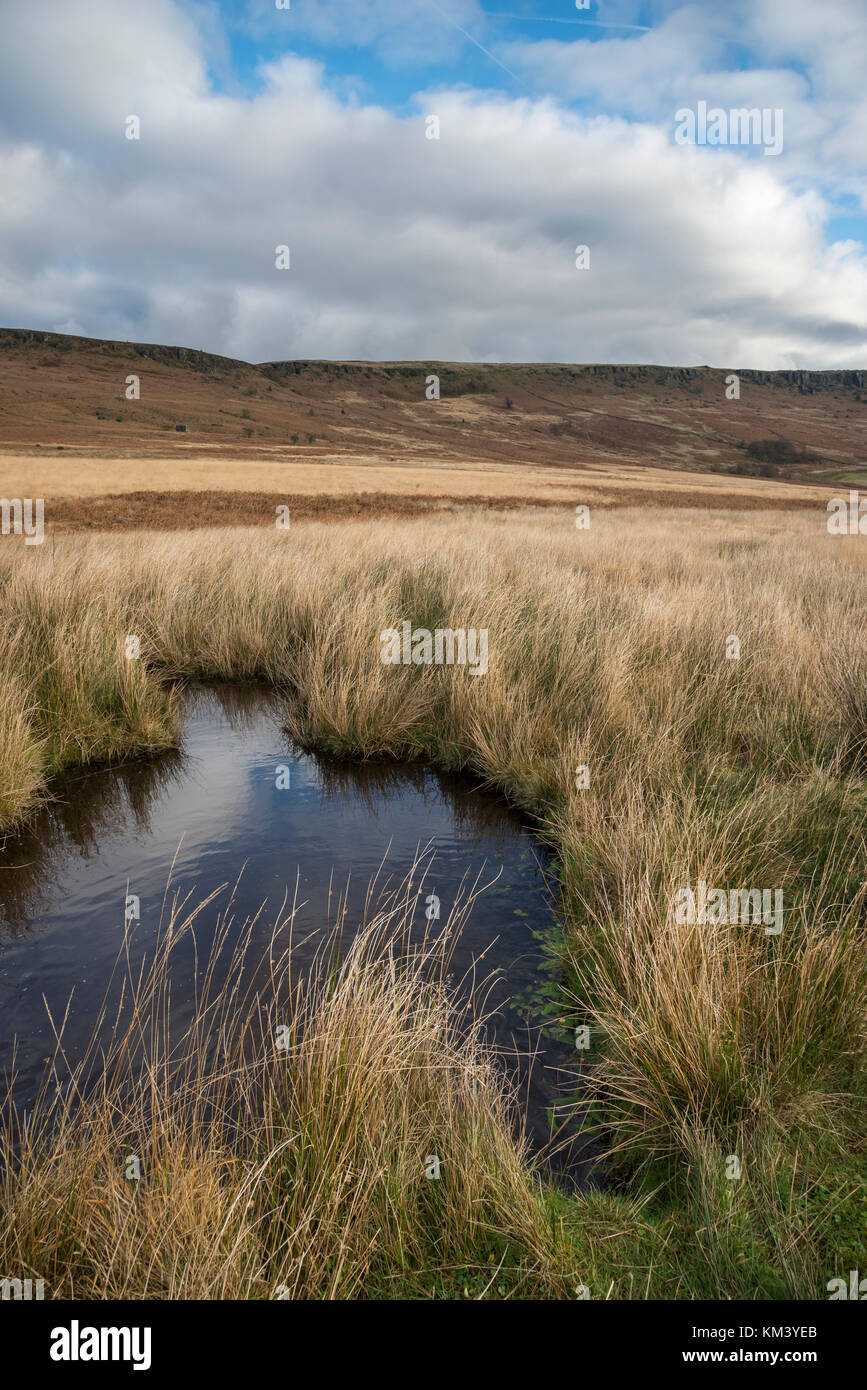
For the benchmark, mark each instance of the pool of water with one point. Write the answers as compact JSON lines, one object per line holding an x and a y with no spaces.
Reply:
{"x":238,"y":805}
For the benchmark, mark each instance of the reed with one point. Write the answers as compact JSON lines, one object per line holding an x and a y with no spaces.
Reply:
{"x":278,"y":1143}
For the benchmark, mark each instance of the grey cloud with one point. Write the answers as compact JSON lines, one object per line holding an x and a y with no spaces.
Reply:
{"x":401,"y":247}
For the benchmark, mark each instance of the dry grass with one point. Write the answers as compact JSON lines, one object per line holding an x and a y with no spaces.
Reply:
{"x":278,"y":1164}
{"x":305,"y":471}
{"x":607,"y":648}
{"x":186,"y":511}
{"x":21,"y":752}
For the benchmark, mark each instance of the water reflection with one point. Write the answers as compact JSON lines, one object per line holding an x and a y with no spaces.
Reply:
{"x":239,"y":811}
{"x":86,"y":808}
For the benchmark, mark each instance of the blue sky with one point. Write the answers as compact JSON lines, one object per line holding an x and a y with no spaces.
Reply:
{"x":557,"y":128}
{"x":472,"y":55}
{"x":255,"y":37}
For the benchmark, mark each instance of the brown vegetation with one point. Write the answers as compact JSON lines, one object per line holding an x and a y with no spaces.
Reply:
{"x":57,"y":390}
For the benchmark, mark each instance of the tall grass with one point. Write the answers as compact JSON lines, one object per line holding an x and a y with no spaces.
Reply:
{"x":276,"y":1144}
{"x":607,"y":650}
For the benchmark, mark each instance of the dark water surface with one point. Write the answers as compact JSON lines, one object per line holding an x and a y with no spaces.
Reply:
{"x":63,"y":885}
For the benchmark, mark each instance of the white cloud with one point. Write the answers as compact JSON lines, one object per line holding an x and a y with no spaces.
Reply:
{"x":808,"y":58}
{"x":401,"y":247}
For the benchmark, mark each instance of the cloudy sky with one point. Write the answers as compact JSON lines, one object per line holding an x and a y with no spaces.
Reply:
{"x":308,"y":127}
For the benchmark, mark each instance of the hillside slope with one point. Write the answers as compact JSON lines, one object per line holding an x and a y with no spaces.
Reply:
{"x":57,"y":390}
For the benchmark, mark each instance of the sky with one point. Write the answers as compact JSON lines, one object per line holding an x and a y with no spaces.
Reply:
{"x":433,"y":167}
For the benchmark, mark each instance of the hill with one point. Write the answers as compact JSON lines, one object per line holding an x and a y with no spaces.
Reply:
{"x":56,"y":389}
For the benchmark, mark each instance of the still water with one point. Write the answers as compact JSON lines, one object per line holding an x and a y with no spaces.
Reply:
{"x":239,"y":809}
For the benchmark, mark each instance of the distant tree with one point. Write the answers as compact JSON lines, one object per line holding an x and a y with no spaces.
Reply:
{"x":779,"y":451}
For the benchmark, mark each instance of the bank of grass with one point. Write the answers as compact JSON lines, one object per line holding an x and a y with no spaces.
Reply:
{"x":607,"y":650}
{"x":276,"y":1145}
